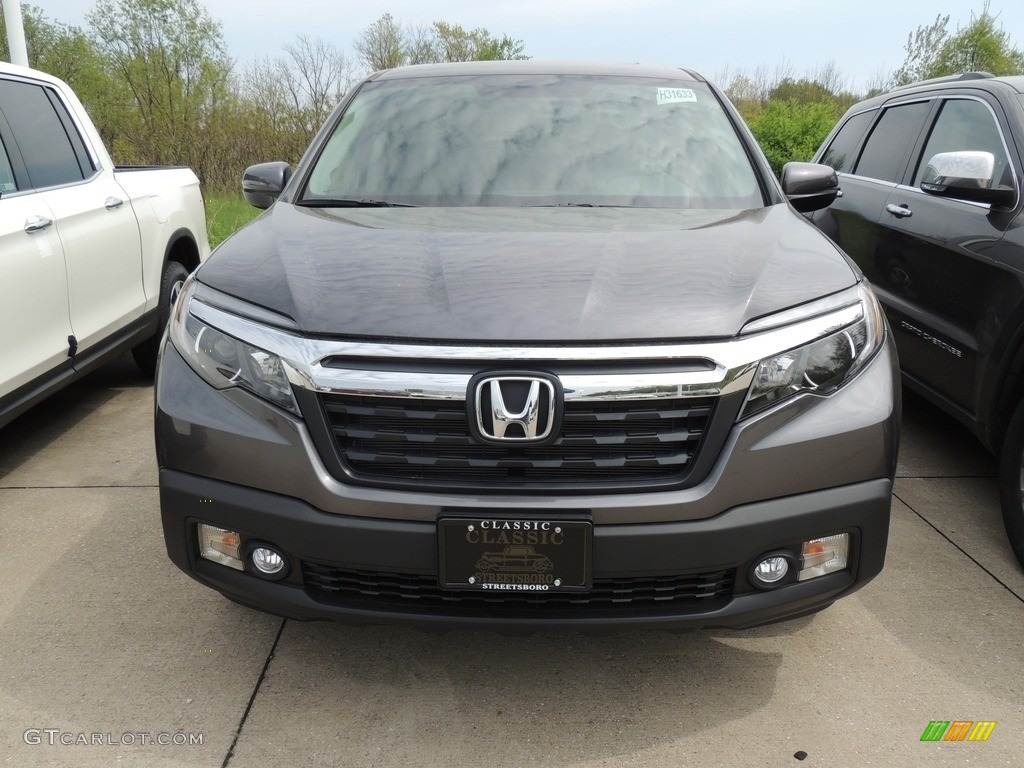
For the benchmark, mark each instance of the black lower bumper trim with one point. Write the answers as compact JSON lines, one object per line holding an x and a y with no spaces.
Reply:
{"x":327,"y":549}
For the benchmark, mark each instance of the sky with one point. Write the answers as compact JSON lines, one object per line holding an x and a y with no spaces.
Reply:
{"x":718,"y":38}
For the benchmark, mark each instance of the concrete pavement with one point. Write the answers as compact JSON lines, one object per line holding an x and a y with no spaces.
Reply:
{"x":103,"y":643}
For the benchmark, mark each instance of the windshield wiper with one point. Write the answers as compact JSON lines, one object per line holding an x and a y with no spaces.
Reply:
{"x":336,"y":202}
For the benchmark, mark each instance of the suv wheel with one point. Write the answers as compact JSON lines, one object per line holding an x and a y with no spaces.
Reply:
{"x":1011,"y":483}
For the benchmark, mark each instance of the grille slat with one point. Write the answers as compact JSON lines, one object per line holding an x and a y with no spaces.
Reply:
{"x":636,"y":414}
{"x":392,"y":413}
{"x":390,"y":590}
{"x":632,"y":437}
{"x":381,"y":436}
{"x":599,"y":443}
{"x":385,"y":456}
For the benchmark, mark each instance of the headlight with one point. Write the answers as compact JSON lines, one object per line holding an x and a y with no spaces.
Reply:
{"x":824,"y":364}
{"x":224,"y":361}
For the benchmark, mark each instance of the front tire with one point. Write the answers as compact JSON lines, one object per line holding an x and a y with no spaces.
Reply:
{"x":1011,"y":483}
{"x":146,"y":352}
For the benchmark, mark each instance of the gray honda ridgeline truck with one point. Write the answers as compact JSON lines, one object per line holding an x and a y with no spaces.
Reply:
{"x":530,"y":344}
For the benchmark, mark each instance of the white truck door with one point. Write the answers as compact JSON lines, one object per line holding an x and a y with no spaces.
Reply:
{"x":34,"y":319}
{"x":95,"y":224}
{"x":102,"y":251}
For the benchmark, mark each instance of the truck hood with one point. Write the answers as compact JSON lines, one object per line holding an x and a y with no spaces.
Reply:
{"x":526,"y":274}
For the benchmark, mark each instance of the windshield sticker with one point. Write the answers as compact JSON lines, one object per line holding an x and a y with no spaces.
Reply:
{"x":675,"y":95}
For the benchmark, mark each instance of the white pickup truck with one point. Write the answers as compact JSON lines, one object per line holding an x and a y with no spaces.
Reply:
{"x":91,"y":257}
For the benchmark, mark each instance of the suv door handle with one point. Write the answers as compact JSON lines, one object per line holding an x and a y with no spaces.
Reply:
{"x":902,"y":210}
{"x":37,"y":223}
{"x":113,"y":202}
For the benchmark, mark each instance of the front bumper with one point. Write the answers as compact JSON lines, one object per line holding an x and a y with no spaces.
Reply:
{"x":813,"y":468}
{"x":372,"y":548}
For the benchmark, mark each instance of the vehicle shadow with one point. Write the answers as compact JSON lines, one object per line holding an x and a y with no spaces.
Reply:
{"x":934,"y":444}
{"x":54,"y":421}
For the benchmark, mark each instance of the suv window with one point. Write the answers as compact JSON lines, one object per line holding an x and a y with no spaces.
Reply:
{"x":891,"y":140}
{"x":965,"y":124}
{"x":42,"y":135}
{"x":840,"y":153}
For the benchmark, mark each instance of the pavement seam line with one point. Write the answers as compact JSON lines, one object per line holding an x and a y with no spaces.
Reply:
{"x":963,"y":551}
{"x":252,"y":698}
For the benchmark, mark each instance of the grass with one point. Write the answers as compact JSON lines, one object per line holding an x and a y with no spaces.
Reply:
{"x":225,"y":213}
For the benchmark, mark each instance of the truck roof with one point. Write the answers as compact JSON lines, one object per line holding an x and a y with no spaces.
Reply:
{"x":536,"y":68}
{"x":13,"y":69}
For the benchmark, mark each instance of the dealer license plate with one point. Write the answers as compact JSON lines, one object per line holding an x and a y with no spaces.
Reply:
{"x":515,"y":555}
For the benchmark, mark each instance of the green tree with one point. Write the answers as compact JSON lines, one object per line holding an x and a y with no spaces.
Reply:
{"x":170,"y":55}
{"x":65,"y":51}
{"x":52,"y":47}
{"x":791,"y":130}
{"x":793,"y":101}
{"x":386,"y":44}
{"x":823,"y":86}
{"x":750,"y":92}
{"x":982,"y":46}
{"x":454,"y":43}
{"x":315,"y":76}
{"x":802,"y":91}
{"x":294,"y":94}
{"x":922,"y":46}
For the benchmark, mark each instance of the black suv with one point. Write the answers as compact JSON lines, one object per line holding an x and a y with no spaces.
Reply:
{"x":931,"y":211}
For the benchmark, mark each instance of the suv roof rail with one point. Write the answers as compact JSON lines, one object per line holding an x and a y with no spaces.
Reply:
{"x":945,"y":79}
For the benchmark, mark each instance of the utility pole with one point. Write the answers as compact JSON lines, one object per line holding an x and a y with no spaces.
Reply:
{"x":15,"y":32}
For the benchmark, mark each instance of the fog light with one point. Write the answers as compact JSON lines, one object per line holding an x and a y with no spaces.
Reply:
{"x":220,"y":546}
{"x":770,"y":571}
{"x":819,"y":557}
{"x":267,"y":561}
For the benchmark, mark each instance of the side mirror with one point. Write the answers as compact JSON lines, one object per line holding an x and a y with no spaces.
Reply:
{"x":965,"y":176}
{"x":261,"y":184}
{"x":809,"y":186}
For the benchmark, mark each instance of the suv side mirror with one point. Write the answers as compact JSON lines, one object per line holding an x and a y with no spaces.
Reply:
{"x":809,"y":186}
{"x":965,"y":176}
{"x":261,"y":184}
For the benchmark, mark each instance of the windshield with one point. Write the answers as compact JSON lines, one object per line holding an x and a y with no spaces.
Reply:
{"x":534,"y":140}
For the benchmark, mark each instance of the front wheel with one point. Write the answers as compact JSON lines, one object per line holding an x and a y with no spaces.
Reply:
{"x":146,"y":352}
{"x":1011,"y":483}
